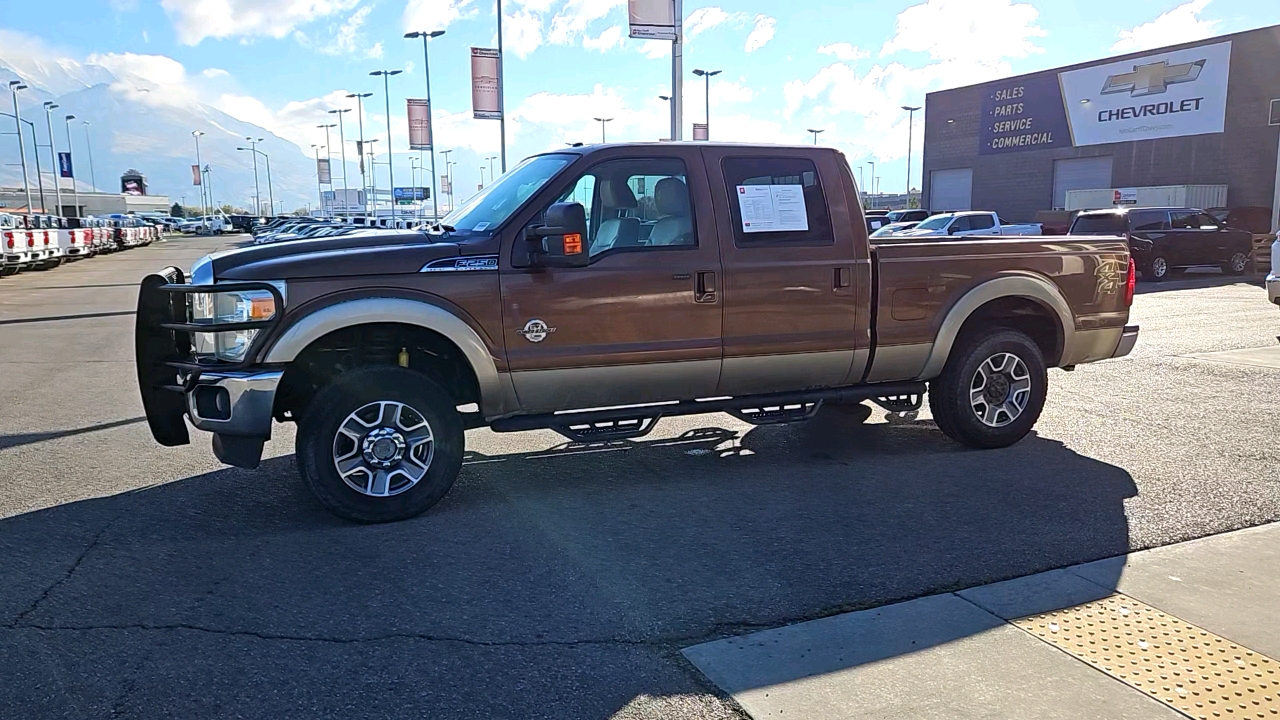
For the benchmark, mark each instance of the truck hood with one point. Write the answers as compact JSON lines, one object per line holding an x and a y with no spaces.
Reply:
{"x":371,"y":253}
{"x":916,"y":232}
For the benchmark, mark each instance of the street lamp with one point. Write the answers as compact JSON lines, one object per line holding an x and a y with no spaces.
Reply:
{"x":257,"y":191}
{"x":391,"y":158}
{"x":75,"y":188}
{"x":707,"y":75}
{"x":602,"y":121}
{"x":815,"y":134}
{"x":204,"y":209}
{"x":431,"y":135}
{"x":372,"y":197}
{"x":481,"y":177}
{"x":342,"y":141}
{"x":271,"y":194}
{"x":364,"y":184}
{"x":93,"y":178}
{"x":872,"y":163}
{"x":14,"y":87}
{"x":49,"y":107}
{"x":911,"y":113}
{"x":447,"y":164}
{"x":315,"y":149}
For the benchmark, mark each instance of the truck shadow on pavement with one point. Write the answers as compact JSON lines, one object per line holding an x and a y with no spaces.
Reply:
{"x":559,"y":583}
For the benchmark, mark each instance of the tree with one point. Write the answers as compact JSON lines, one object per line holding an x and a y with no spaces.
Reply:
{"x":177,"y":211}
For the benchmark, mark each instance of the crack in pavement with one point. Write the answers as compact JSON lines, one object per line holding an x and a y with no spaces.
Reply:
{"x":66,"y":576}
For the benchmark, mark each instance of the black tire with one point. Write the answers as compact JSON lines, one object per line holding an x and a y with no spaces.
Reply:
{"x":1156,"y":264}
{"x":949,"y":394}
{"x":1237,"y":265}
{"x":331,"y":407}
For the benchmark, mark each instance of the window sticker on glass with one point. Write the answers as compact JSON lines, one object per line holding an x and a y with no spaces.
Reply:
{"x":480,"y":227}
{"x":773,"y":208}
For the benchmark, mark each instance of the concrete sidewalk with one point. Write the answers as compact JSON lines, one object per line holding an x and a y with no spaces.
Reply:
{"x":1187,"y":630}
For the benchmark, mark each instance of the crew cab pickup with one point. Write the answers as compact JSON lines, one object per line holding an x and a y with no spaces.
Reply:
{"x":595,"y":290}
{"x":965,"y":224}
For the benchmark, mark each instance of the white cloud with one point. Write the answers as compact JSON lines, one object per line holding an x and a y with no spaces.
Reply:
{"x":296,"y":121}
{"x":1179,"y":25}
{"x":213,"y":72}
{"x":375,"y":52}
{"x":155,"y":80}
{"x":967,"y":30}
{"x":576,"y":15}
{"x":607,"y":40}
{"x":427,"y":15}
{"x":844,"y":52}
{"x":654,"y":49}
{"x":761,"y":34}
{"x":703,"y":19}
{"x":522,"y":33}
{"x":195,"y":20}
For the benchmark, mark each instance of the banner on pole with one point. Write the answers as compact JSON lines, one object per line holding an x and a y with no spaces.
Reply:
{"x":322,"y":169}
{"x":651,"y":19}
{"x":64,"y":165}
{"x":419,"y":113}
{"x":360,"y":154}
{"x":446,"y":185}
{"x":195,"y":174}
{"x":486,"y":71}
{"x":700,"y":132}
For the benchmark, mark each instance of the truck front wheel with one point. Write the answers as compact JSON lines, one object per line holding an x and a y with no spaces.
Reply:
{"x":380,"y":444}
{"x":992,"y":389}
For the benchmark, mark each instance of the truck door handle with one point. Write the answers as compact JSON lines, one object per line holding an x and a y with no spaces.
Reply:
{"x":705,"y":291}
{"x":843,"y":278}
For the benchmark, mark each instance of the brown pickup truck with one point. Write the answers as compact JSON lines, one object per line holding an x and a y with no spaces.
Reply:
{"x":595,"y":290}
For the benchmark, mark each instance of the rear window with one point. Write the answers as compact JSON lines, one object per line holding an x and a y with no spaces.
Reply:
{"x":1109,"y":224}
{"x":782,"y":201}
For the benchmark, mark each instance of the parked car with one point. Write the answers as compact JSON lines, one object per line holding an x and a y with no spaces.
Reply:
{"x":1167,"y":240}
{"x":677,"y":287}
{"x":894,"y":228}
{"x":968,"y":223}
{"x":16,"y":255}
{"x":1273,"y":278}
{"x":1257,"y":220}
{"x":908,"y":215}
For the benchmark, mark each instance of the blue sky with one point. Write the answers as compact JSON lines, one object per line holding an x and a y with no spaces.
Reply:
{"x":842,"y":66}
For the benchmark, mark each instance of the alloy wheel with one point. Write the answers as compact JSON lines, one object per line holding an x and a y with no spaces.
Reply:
{"x":1238,"y":262}
{"x":383,"y":448}
{"x":1000,"y":389}
{"x":1159,"y":267}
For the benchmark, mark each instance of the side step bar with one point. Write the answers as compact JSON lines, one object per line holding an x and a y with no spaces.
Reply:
{"x":638,"y":420}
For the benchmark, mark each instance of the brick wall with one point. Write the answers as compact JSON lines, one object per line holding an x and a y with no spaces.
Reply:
{"x":1019,"y":184}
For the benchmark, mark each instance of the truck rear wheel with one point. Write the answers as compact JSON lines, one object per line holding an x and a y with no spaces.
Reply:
{"x":380,"y":444}
{"x":992,"y":389}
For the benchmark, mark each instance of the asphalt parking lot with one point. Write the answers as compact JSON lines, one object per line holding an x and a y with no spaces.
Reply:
{"x":559,"y":580}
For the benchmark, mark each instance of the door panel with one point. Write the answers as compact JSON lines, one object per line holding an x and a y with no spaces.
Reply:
{"x":790,"y":296}
{"x":631,"y":327}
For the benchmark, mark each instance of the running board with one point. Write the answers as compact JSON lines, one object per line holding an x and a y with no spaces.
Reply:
{"x":638,"y":420}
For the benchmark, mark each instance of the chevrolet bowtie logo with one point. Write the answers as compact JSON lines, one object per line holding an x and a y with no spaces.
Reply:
{"x":1152,"y":79}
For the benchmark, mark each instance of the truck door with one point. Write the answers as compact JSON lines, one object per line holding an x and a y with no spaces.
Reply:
{"x":641,"y":322}
{"x":979,"y":225}
{"x":789,"y":259}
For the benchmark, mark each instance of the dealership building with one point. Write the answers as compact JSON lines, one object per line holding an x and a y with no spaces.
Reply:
{"x":1197,"y":122}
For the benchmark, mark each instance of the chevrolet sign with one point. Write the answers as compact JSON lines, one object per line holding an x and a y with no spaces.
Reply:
{"x":1153,"y":78}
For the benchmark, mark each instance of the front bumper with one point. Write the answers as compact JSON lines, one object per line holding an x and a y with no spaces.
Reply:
{"x":1128,"y":339}
{"x":1273,"y":289}
{"x":232,"y":401}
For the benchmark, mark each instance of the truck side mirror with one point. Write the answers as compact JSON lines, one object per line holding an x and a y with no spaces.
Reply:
{"x":561,"y":240}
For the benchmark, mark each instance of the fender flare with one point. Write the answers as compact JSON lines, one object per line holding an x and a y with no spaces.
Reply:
{"x":1031,"y":287}
{"x":496,"y":397}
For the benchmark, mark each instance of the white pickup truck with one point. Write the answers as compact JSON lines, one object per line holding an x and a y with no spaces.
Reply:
{"x":974,"y":222}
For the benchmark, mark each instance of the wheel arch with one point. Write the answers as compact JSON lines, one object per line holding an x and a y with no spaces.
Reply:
{"x":1021,"y":286}
{"x":496,"y":396}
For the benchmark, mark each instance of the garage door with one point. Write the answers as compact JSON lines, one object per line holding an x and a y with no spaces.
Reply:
{"x":1079,"y":174}
{"x":951,"y":190}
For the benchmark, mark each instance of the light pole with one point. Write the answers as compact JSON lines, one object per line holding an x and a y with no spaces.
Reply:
{"x":602,"y":121}
{"x":391,"y":157}
{"x":677,"y":73}
{"x":35,"y":145}
{"x":481,"y":177}
{"x":342,"y":141}
{"x":75,"y":188}
{"x":373,"y":177}
{"x":431,"y":135}
{"x":204,"y":209}
{"x":502,"y":103}
{"x":413,"y":177}
{"x":93,"y":178}
{"x":872,"y":163}
{"x":257,"y":191}
{"x":319,"y":187}
{"x":271,"y":193}
{"x":364,"y":184}
{"x":707,"y":75}
{"x":49,"y":107}
{"x":445,"y":153}
{"x":911,"y":113}
{"x":815,"y":134}
{"x":14,"y":87}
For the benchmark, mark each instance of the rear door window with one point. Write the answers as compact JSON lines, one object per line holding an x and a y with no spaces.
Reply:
{"x":776,"y":201}
{"x":1108,"y":224}
{"x":1184,"y":220}
{"x":1148,"y":220}
{"x":981,"y":222}
{"x":960,"y":225}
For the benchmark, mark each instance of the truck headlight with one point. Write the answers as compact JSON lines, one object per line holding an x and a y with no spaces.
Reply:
{"x":223,"y":308}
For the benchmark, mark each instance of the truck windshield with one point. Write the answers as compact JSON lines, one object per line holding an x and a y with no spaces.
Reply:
{"x":1108,"y":224}
{"x":493,"y":205}
{"x":937,"y":222}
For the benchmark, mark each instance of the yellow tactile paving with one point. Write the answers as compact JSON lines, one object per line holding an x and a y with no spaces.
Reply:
{"x":1173,"y":661}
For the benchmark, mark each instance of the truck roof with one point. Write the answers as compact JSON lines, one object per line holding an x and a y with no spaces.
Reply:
{"x":589,"y":149}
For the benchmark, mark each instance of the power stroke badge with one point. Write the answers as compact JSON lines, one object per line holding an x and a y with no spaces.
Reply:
{"x":535,"y":331}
